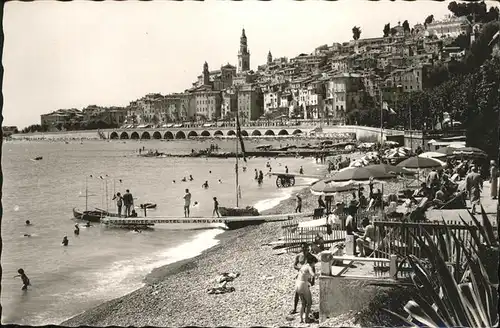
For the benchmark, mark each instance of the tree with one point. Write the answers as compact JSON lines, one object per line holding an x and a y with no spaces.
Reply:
{"x":428,"y":20}
{"x":406,"y":26}
{"x":356,"y":33}
{"x":387,"y":29}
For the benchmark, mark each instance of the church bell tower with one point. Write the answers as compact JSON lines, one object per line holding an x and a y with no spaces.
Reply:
{"x":243,"y":54}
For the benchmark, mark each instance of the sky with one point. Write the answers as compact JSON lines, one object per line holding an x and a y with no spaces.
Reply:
{"x":73,"y":54}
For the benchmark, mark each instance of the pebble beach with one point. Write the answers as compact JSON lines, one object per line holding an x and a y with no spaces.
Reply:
{"x":176,"y":295}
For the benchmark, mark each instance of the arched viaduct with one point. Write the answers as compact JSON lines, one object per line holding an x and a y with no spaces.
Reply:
{"x":361,"y":132}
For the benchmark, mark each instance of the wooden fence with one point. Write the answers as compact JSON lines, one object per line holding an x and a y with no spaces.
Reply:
{"x":395,"y":238}
{"x":294,"y":236}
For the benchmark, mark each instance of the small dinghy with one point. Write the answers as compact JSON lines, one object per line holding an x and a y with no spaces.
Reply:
{"x":38,"y":158}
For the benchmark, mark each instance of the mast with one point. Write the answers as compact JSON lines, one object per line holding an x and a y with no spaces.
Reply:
{"x":86,"y":194}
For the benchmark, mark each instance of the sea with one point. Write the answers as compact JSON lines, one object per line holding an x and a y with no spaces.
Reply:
{"x":104,"y":263}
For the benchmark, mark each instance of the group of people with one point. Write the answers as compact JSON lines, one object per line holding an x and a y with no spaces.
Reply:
{"x":126,"y":200}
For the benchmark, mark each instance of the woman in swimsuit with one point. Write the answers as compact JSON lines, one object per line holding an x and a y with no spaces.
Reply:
{"x":305,"y":278}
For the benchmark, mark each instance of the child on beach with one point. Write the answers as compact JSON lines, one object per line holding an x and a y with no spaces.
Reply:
{"x":24,"y":278}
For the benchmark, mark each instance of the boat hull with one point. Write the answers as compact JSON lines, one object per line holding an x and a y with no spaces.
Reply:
{"x":92,"y":216}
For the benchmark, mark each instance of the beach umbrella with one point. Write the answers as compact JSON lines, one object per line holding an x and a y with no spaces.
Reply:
{"x":432,"y":154}
{"x":470,"y":152}
{"x":323,"y":187}
{"x":448,"y":150}
{"x":391,"y":169}
{"x":360,"y":174}
{"x":417,"y":162}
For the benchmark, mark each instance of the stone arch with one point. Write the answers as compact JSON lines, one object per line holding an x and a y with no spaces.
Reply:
{"x":283,"y":133}
{"x":114,"y":135}
{"x":134,"y":135}
{"x":244,"y":133}
{"x":157,"y":135}
{"x":231,"y":133}
{"x":218,"y":133}
{"x":269,"y":133}
{"x":180,"y":135}
{"x":205,"y":134}
{"x":145,"y":135}
{"x":256,"y":133}
{"x":124,"y":135}
{"x":192,"y":134}
{"x":298,"y":131}
{"x":168,"y":135}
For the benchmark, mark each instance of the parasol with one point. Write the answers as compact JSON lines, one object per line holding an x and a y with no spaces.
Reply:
{"x":323,"y":187}
{"x":433,"y":154}
{"x":390,"y":169}
{"x":470,"y":152}
{"x":448,"y":150}
{"x":359,"y":174}
{"x":417,"y":162}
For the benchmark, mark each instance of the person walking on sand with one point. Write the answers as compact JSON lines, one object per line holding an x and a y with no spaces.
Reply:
{"x":493,"y":180}
{"x":301,"y":170}
{"x":474,"y":185}
{"x":216,"y":208}
{"x":187,"y":203}
{"x":119,"y":203}
{"x":286,"y":169}
{"x":24,"y":278}
{"x":298,"y":208}
{"x":300,"y":260}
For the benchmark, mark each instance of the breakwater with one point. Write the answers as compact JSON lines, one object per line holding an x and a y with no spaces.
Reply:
{"x":269,"y":154}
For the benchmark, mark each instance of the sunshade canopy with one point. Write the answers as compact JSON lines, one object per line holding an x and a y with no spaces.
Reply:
{"x":418,"y":162}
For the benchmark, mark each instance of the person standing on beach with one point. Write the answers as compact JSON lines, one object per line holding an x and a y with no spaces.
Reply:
{"x":474,"y":184}
{"x":187,"y":203}
{"x":24,"y":278}
{"x":256,"y":175}
{"x":298,"y":208}
{"x":216,"y":208}
{"x":301,"y":170}
{"x":300,"y":260}
{"x":304,"y":280}
{"x":286,"y":169}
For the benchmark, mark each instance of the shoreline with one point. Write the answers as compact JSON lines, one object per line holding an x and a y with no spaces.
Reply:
{"x":227,"y":242}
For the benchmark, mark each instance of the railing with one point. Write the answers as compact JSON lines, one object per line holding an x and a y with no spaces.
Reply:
{"x":394,"y":238}
{"x":294,"y":236}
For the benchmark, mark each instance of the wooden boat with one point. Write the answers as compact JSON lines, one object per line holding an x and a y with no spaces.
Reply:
{"x":39,"y":158}
{"x":92,"y":216}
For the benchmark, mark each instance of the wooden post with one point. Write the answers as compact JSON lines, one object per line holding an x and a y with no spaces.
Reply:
{"x":393,"y":266}
{"x":326,"y":263}
{"x":145,"y":210}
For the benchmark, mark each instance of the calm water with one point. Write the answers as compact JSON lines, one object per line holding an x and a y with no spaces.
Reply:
{"x":101,"y":263}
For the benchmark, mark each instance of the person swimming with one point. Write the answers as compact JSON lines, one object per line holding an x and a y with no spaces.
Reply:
{"x":184,"y":179}
{"x":24,"y":278}
{"x":65,"y":241}
{"x":27,"y":235}
{"x":77,"y":229}
{"x":173,"y":181}
{"x":191,"y":178}
{"x":205,"y":185}
{"x":28,"y":222}
{"x":210,"y":172}
{"x":220,"y":181}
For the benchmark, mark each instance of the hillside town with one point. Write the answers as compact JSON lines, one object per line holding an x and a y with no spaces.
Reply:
{"x":329,"y":84}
